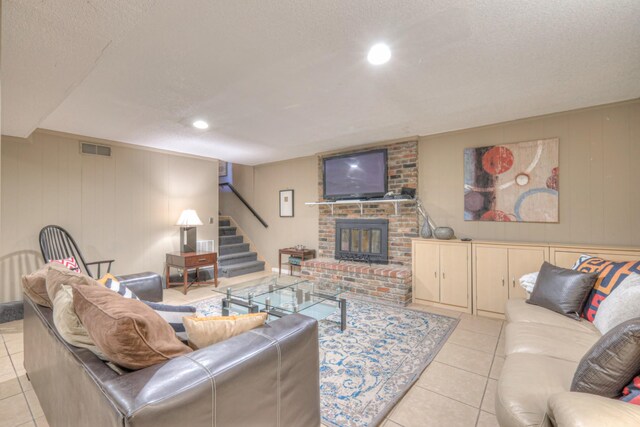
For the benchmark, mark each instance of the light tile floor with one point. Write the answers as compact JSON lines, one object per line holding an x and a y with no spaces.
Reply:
{"x":457,"y":389}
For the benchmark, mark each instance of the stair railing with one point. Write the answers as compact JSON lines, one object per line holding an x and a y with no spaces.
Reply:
{"x":244,"y":201}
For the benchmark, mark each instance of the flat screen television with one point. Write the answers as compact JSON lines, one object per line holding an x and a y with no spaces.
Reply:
{"x":356,"y":175}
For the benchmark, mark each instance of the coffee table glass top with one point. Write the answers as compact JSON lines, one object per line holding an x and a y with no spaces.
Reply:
{"x":286,"y":294}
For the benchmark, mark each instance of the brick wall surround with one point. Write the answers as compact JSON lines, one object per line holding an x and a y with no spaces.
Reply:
{"x":402,"y":160}
{"x":392,"y":282}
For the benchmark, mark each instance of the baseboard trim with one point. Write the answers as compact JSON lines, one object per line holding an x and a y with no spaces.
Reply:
{"x":10,"y":311}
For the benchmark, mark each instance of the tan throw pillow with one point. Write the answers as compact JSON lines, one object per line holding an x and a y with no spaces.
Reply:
{"x":58,"y":275}
{"x":35,"y":286}
{"x":204,"y":331}
{"x":68,"y":324}
{"x":127,"y":331}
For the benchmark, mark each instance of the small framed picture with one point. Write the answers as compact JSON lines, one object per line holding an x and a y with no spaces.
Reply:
{"x":223,"y":168}
{"x":286,"y":203}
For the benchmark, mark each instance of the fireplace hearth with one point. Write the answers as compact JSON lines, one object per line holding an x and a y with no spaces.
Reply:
{"x":362,"y":240}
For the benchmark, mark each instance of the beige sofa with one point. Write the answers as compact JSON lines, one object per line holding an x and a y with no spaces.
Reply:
{"x":543,"y":350}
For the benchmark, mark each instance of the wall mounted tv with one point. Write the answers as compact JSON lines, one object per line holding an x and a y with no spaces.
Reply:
{"x":355,"y":176}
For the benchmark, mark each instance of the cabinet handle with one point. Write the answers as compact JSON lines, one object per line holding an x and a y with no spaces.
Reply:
{"x":443,"y":276}
{"x":514,"y":282}
{"x":202,"y":260}
{"x":435,"y":274}
{"x":503,"y":281}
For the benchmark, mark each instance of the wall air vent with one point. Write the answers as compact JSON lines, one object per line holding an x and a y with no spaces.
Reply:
{"x":95,"y":149}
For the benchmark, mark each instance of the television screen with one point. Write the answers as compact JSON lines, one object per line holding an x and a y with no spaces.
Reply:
{"x":358,"y":175}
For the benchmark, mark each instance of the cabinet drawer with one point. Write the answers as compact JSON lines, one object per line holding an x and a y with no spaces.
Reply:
{"x":198,"y":260}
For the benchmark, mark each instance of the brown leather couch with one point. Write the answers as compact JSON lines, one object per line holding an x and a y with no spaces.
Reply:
{"x":542,"y":351}
{"x":265,"y":377}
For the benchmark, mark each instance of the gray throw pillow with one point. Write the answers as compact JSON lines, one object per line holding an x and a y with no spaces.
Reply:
{"x":562,"y":290}
{"x":611,"y":363}
{"x":622,"y":304}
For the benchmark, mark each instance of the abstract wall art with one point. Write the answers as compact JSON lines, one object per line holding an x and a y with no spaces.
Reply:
{"x":516,"y":182}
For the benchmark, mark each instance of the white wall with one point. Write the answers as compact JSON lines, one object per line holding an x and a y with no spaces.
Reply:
{"x":121,"y":208}
{"x":599,"y":176}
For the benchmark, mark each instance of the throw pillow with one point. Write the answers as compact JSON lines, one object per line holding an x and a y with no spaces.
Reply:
{"x":58,"y":275}
{"x":35,"y":286}
{"x":528,"y":281}
{"x":562,"y":290}
{"x":127,"y":331}
{"x":68,"y":324}
{"x":611,"y":363}
{"x":110,"y":282}
{"x":69,"y":263}
{"x":205,"y":331}
{"x":610,"y":275}
{"x":631,"y":393}
{"x":621,"y":305}
{"x":173,"y":315}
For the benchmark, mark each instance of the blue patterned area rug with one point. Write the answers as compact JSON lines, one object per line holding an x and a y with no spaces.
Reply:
{"x":365,"y":370}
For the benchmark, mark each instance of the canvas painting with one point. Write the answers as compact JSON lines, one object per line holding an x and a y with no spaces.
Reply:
{"x":516,"y":182}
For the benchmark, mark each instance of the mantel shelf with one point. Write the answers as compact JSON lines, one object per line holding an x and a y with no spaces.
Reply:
{"x":361,"y":203}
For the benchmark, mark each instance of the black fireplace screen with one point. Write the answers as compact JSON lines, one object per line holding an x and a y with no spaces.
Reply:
{"x":362,"y":240}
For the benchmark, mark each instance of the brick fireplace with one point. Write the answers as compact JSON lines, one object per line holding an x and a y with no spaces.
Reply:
{"x":390,"y":282}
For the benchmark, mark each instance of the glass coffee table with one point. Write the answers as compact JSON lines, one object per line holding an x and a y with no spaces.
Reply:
{"x":280,"y":296}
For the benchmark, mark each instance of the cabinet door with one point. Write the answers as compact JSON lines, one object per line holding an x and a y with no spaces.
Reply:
{"x":491,"y":268}
{"x":454,"y":275}
{"x":426,"y":280}
{"x":521,"y":262}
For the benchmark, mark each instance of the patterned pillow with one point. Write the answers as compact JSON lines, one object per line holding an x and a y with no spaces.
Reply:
{"x":110,"y":282}
{"x":610,"y":275}
{"x":631,"y":393}
{"x":173,"y":314}
{"x":70,"y":263}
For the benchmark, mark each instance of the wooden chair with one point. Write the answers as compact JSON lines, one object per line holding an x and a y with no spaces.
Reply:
{"x":57,"y":243}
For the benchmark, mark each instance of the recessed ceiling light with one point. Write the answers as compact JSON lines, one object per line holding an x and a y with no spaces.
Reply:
{"x":200,"y":124}
{"x":379,"y":54}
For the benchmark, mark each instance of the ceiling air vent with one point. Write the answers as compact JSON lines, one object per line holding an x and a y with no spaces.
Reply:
{"x":95,"y":149}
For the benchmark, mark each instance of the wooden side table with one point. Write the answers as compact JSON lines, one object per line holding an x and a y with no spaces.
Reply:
{"x":298,"y":253}
{"x":189,"y":260}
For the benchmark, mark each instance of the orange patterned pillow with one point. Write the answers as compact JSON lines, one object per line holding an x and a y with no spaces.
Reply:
{"x":610,"y":275}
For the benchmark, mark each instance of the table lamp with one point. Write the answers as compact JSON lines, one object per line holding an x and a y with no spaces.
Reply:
{"x":188,"y":221}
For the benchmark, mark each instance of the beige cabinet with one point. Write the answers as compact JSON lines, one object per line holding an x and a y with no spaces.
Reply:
{"x":491,"y":272}
{"x":567,"y":257}
{"x":442,"y":273}
{"x":497,"y":269}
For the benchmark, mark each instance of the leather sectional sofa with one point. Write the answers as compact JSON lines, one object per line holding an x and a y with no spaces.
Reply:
{"x":543,"y":350}
{"x":267,"y":377}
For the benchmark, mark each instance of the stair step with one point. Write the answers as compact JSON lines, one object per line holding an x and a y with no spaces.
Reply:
{"x":224,"y":223}
{"x":242,"y":268}
{"x":238,"y":258}
{"x":227,"y":231}
{"x":230,"y":240}
{"x":233,"y":248}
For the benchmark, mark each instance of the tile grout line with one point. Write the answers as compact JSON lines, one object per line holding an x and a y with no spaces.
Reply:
{"x":15,"y":371}
{"x":466,"y":370}
{"x":452,"y":398}
{"x":493,"y":360}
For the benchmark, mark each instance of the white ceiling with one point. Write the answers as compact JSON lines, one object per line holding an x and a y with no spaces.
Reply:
{"x":279,"y":79}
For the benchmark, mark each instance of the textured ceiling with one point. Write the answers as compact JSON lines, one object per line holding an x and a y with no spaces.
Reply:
{"x":279,"y":79}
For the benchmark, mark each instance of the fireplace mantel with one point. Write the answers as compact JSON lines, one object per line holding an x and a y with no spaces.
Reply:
{"x":361,"y":203}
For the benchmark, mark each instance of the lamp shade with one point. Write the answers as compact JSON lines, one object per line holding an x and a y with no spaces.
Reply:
{"x":188,"y":218}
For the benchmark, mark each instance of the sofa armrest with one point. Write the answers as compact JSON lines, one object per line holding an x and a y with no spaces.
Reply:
{"x":590,"y":410}
{"x":268,"y":376}
{"x":147,"y":286}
